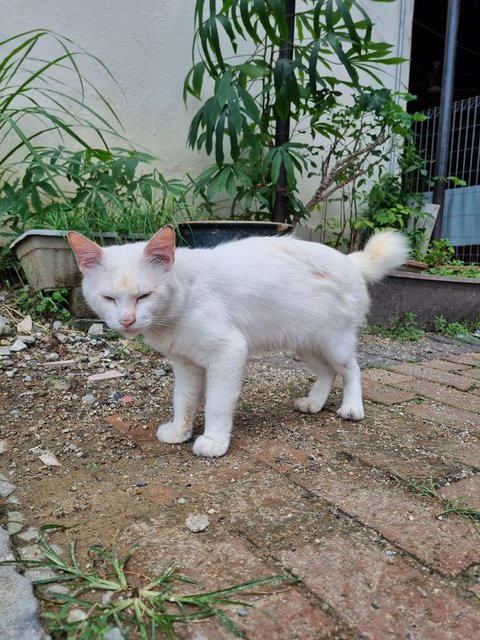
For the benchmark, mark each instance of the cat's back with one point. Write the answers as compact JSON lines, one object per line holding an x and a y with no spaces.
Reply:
{"x":278,"y":251}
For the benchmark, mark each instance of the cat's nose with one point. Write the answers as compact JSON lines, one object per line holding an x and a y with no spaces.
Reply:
{"x":127,"y":321}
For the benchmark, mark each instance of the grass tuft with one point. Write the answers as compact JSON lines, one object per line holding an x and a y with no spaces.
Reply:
{"x":140,"y":607}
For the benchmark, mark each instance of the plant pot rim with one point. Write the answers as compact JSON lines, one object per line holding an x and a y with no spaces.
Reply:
{"x":55,"y":233}
{"x":282,"y":226}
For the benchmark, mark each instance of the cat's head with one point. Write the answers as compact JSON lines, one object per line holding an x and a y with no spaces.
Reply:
{"x":128,"y":286}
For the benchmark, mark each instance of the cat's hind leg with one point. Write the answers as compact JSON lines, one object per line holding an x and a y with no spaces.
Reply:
{"x":341,"y":355}
{"x":188,"y":389}
{"x":320,"y":390}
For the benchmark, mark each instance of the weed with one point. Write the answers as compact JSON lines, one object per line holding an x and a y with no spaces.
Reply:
{"x":140,"y":607}
{"x":406,"y":330}
{"x":141,"y":345}
{"x":112,"y":335}
{"x":450,"y":329}
{"x":44,"y":303}
{"x":428,"y":488}
{"x":460,"y":508}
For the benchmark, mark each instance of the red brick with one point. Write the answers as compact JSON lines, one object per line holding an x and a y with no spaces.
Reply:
{"x":472,"y":359}
{"x":468,"y":489}
{"x":403,"y":518}
{"x":444,"y":365}
{"x":433,"y":375}
{"x":450,"y":417}
{"x":464,"y":451}
{"x":383,"y":598}
{"x":278,"y":455}
{"x":382,"y":375}
{"x":221,"y":562}
{"x":473,"y":373}
{"x":384,"y":394}
{"x":406,"y":463}
{"x":440,"y":393}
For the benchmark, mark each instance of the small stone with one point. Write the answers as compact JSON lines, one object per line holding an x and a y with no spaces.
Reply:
{"x":3,"y":446}
{"x":159,"y":373}
{"x":181,"y":501}
{"x":49,"y":459}
{"x":127,"y":399}
{"x":107,"y":375}
{"x":10,"y":373}
{"x":25,"y":326}
{"x":14,"y":527}
{"x":27,"y":378}
{"x":29,"y":339}
{"x":18,"y":345}
{"x":96,"y":329}
{"x":6,"y":488}
{"x":113,"y":633}
{"x":60,"y":384}
{"x":4,"y":326}
{"x":57,"y":325}
{"x":4,"y":351}
{"x":88,"y":399}
{"x":77,"y":615}
{"x":30,"y":535}
{"x":142,"y":483}
{"x":197,"y":522}
{"x":15,"y":516}
{"x":51,"y":357}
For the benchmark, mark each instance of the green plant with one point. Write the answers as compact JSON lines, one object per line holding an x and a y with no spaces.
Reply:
{"x":256,"y":92}
{"x":459,"y":507}
{"x":450,"y":329}
{"x":139,"y":606}
{"x":41,"y":304}
{"x":34,"y":101}
{"x":428,"y":487}
{"x":402,"y":329}
{"x":439,"y":253}
{"x":352,"y":171}
{"x":78,"y":181}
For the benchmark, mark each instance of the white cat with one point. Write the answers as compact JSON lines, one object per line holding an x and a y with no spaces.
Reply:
{"x":208,"y":309}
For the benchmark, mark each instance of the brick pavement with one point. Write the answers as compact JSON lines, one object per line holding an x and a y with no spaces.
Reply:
{"x":329,"y":503}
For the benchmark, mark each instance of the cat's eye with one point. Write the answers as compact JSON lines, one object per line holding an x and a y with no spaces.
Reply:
{"x":144,"y":296}
{"x":109,"y":298}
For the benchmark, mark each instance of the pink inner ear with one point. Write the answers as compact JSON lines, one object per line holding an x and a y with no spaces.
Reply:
{"x":162,"y":246}
{"x":88,"y":253}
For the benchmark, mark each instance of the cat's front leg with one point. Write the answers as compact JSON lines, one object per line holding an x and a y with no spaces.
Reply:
{"x":188,"y":388}
{"x":224,"y":383}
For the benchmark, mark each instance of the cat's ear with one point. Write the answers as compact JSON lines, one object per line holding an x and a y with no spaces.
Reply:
{"x":88,"y":253}
{"x":161,"y":247}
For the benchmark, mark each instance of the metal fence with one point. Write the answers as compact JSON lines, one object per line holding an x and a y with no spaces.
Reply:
{"x":464,"y":161}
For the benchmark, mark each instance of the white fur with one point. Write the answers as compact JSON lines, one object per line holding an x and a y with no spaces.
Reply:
{"x":211,"y":308}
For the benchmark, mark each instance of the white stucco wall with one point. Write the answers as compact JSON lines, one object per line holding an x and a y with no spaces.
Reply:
{"x":147,"y":47}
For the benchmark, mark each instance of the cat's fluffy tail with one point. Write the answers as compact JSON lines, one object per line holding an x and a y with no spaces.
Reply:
{"x":384,"y":252}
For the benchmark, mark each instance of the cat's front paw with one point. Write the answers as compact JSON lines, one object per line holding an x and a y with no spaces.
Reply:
{"x":205,"y":446}
{"x":351,"y":412}
{"x":172,"y":433}
{"x":306,"y":405}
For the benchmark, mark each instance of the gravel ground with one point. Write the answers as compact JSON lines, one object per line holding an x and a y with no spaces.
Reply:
{"x":81,"y":449}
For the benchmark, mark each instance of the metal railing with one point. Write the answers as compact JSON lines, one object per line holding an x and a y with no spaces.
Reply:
{"x":464,"y":155}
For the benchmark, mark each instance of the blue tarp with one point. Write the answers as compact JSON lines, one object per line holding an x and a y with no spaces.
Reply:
{"x":461,"y":215}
